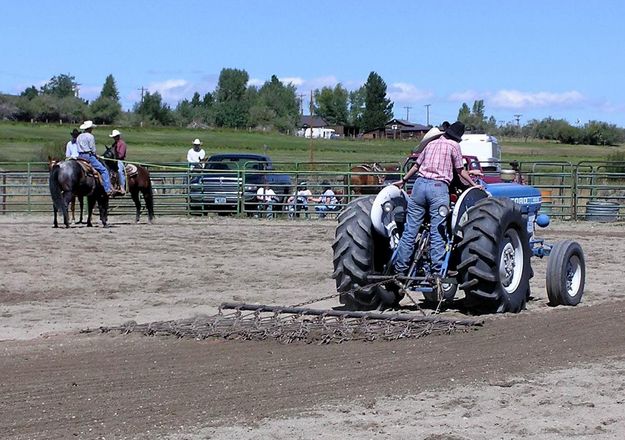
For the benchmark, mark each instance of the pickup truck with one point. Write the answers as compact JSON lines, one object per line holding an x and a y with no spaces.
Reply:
{"x":228,"y":182}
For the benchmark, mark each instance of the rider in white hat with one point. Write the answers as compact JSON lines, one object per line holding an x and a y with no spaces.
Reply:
{"x":196,"y":154}
{"x":119,"y":148}
{"x":86,"y":151}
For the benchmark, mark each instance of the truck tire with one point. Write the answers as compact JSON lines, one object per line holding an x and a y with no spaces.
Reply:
{"x":494,"y":254}
{"x":566,"y":274}
{"x":355,"y":259}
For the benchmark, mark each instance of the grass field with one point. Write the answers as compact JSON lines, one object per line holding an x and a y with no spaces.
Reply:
{"x":21,"y":142}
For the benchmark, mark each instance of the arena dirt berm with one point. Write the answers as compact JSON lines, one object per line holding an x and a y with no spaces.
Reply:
{"x":522,"y":369}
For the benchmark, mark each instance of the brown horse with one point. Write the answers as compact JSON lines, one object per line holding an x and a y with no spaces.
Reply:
{"x":138,"y":181}
{"x":367,"y":178}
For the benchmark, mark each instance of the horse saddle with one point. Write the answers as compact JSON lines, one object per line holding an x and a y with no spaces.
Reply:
{"x":131,"y":170}
{"x":89,"y":170}
{"x":371,"y":168}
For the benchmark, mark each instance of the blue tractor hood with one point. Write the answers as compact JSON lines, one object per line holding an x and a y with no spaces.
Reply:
{"x":526,"y":196}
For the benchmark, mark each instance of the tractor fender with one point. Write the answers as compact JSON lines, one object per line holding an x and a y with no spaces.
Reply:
{"x":465,"y":202}
{"x":383,"y":221}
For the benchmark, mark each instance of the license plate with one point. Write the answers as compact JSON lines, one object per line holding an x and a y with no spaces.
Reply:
{"x":220,"y":200}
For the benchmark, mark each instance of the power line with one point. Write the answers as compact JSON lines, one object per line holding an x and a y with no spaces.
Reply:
{"x":427,"y":112}
{"x":407,"y":112}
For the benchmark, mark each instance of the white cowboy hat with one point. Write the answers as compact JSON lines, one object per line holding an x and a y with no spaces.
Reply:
{"x":114,"y":133}
{"x":87,"y":124}
{"x":197,"y":142}
{"x":434,"y":133}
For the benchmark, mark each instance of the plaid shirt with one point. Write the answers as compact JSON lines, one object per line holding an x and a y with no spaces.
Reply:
{"x":439,"y":159}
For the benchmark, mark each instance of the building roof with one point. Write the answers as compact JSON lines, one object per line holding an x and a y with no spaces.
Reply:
{"x":312,"y":121}
{"x":407,"y":125}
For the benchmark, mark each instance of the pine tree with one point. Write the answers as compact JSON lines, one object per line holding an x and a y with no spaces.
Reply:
{"x":378,"y":108}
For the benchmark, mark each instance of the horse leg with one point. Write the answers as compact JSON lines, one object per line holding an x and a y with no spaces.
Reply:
{"x":90,"y":206}
{"x":103,"y":206}
{"x":56,"y":210}
{"x":72,"y":206}
{"x":81,"y":202}
{"x":134,"y":193}
{"x":148,"y":198}
{"x":67,"y":199}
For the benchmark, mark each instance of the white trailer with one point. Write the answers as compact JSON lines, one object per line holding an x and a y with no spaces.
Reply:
{"x":485,"y":148}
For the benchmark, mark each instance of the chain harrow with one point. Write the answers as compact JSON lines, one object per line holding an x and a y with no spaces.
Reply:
{"x":297,"y":324}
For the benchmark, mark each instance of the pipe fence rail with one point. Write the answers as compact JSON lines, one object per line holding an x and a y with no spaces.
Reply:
{"x":573,"y":191}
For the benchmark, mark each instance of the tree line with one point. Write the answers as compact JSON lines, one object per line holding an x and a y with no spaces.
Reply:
{"x":233,"y":104}
{"x":272,"y":106}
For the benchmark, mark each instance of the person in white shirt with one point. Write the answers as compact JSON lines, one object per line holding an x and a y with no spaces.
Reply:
{"x":196,"y":156}
{"x":299,"y":201}
{"x":327,"y":202}
{"x":266,"y":198}
{"x":71,"y":149}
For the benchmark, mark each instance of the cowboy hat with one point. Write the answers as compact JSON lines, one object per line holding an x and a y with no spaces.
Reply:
{"x":75,"y":133}
{"x":114,"y":133}
{"x":434,"y":133}
{"x":197,"y":142}
{"x":86,"y":125}
{"x":455,"y":131}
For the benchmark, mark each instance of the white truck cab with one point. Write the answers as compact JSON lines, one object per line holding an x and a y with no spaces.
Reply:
{"x":485,"y":147}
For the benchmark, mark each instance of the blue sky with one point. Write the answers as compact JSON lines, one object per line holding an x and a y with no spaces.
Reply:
{"x":564,"y":59}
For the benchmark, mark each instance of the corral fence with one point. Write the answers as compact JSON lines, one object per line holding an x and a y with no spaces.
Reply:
{"x":574,"y":191}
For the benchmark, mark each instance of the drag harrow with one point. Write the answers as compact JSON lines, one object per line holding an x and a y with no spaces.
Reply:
{"x":298,"y":324}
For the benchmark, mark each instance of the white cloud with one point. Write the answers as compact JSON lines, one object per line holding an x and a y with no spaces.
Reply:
{"x":171,"y":89}
{"x":295,"y":80}
{"x":403,"y":93}
{"x":466,"y":95}
{"x":255,"y":82}
{"x":515,"y":99}
{"x":89,"y":92}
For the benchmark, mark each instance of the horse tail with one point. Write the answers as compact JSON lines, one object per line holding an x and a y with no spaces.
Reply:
{"x":148,"y":194}
{"x":56,"y":192}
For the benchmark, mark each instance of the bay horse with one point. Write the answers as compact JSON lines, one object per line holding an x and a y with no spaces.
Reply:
{"x":69,"y":178}
{"x":367,"y":178}
{"x":138,"y":181}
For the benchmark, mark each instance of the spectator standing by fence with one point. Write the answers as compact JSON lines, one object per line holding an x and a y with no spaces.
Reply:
{"x":196,"y":155}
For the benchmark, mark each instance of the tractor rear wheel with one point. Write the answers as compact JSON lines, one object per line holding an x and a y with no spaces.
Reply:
{"x":356,"y":257}
{"x":494,"y":254}
{"x":566,"y":274}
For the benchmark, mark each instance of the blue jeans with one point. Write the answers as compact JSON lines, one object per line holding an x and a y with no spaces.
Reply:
{"x":427,"y":195}
{"x":322,"y":209}
{"x":95,"y":163}
{"x":122,"y":174}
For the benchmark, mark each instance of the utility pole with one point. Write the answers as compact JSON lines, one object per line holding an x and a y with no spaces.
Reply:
{"x":407,"y":112}
{"x":427,"y":113}
{"x":301,"y":103}
{"x":143,"y":90}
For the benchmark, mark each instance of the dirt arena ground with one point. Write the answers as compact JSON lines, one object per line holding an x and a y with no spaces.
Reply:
{"x":546,"y":373}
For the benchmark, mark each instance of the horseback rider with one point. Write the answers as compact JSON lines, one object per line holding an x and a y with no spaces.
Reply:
{"x":118,"y":149}
{"x":87,"y":152}
{"x":71,"y":149}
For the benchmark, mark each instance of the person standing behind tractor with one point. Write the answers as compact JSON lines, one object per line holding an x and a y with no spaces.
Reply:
{"x":71,"y":149}
{"x":435,"y":167}
{"x":196,"y":155}
{"x":87,"y":151}
{"x":119,"y":150}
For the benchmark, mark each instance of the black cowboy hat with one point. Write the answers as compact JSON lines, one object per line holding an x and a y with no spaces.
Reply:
{"x":455,"y":131}
{"x":75,"y":133}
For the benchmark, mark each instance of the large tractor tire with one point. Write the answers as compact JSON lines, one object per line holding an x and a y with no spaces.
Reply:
{"x":355,"y":259}
{"x":566,"y":274}
{"x":494,"y":256}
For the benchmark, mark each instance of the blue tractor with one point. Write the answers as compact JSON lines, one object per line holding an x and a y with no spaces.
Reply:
{"x":489,"y":238}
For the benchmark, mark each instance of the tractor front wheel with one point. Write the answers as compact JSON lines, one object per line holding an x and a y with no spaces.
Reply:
{"x":566,"y":274}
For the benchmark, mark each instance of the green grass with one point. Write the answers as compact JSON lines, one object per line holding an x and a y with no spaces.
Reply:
{"x":22,"y":142}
